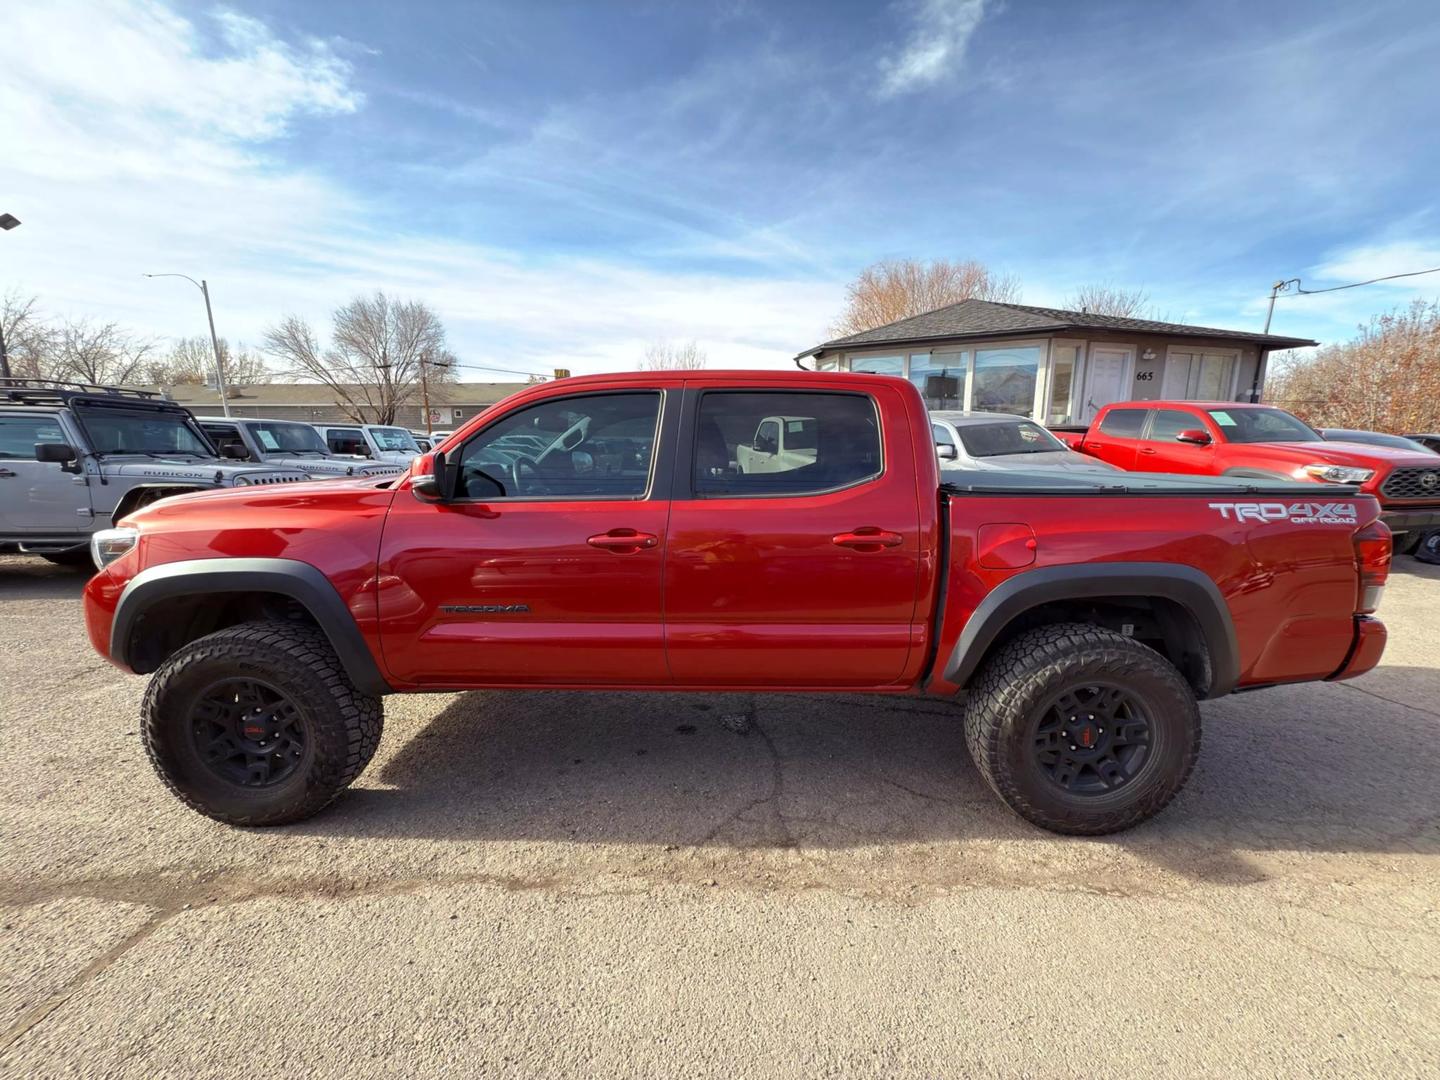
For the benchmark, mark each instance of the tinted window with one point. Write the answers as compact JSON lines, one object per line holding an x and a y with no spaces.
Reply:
{"x":1125,"y":423}
{"x":995,"y":440}
{"x":346,"y":441}
{"x":1168,"y":423}
{"x":394,"y":438}
{"x":599,"y":446}
{"x":114,"y":431}
{"x":19,"y":434}
{"x":223,"y":435}
{"x":839,"y":443}
{"x":1262,"y":425}
{"x":276,"y":437}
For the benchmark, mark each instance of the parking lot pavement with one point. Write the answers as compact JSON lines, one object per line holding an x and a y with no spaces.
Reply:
{"x":580,"y":884}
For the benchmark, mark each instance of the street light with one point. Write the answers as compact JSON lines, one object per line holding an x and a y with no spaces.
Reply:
{"x":7,"y":222}
{"x":214,"y":341}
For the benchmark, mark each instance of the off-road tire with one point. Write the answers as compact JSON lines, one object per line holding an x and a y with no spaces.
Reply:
{"x":1428,"y":549}
{"x":1011,"y":696}
{"x":341,"y":725}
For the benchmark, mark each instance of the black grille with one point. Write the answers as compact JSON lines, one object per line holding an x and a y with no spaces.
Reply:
{"x":1413,"y":482}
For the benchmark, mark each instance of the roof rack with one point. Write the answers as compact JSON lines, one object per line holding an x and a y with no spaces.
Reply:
{"x":60,"y":391}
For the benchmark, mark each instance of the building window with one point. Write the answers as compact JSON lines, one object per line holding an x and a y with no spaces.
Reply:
{"x":1198,"y":375}
{"x":941,"y":377}
{"x":878,"y":365}
{"x":1005,"y":379}
{"x":1064,"y":359}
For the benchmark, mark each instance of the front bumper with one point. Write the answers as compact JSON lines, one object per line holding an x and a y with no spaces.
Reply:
{"x":1365,"y":650}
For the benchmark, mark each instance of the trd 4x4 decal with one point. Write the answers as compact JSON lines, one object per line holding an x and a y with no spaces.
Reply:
{"x":1304,"y":513}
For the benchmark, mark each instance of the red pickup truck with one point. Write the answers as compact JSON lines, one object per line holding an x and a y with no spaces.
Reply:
{"x":1261,"y":442}
{"x":598,"y":533}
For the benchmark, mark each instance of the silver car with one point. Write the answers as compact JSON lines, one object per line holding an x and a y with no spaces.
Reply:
{"x":290,"y":444}
{"x":985,"y":440}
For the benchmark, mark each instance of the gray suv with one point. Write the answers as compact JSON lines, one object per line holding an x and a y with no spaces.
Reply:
{"x":76,"y":458}
{"x":290,"y":444}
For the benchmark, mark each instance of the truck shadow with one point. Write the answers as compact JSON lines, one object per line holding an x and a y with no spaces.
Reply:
{"x":28,"y":577}
{"x":1320,"y":767}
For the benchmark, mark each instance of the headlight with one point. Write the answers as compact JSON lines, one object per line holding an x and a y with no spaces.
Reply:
{"x":107,"y":545}
{"x":1339,"y":474}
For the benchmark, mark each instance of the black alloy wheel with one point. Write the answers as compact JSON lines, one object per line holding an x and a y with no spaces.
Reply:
{"x":248,"y":733}
{"x":1093,"y":740}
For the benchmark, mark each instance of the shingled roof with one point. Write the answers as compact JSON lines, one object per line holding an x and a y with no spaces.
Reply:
{"x":990,"y":318}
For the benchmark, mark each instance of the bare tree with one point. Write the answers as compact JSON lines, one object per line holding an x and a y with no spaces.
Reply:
{"x":95,"y":352}
{"x":1387,"y":379}
{"x":898,"y":289}
{"x":1109,"y":300}
{"x":671,"y":356}
{"x":377,"y":348}
{"x":191,"y":361}
{"x":29,"y":339}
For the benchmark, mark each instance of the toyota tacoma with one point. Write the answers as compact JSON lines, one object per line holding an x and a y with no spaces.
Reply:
{"x":598,"y":533}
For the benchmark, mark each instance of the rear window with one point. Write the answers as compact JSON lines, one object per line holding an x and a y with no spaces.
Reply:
{"x":1125,"y":423}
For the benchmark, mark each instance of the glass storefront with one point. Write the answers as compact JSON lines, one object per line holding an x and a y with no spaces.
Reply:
{"x":941,"y":378}
{"x":1005,"y":379}
{"x":879,"y":365}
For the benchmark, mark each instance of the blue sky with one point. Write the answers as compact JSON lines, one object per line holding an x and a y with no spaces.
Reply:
{"x":566,"y":183}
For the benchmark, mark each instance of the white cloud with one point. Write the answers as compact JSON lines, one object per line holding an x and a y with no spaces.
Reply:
{"x":935,"y":49}
{"x":139,"y":141}
{"x":1370,"y":261}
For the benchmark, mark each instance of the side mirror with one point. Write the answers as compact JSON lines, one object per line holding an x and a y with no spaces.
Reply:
{"x":1195,"y":436}
{"x":235,"y":452}
{"x":57,"y":452}
{"x":427,"y":477}
{"x":946,"y":452}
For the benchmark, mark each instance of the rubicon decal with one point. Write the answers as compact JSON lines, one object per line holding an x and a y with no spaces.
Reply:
{"x":1304,"y":513}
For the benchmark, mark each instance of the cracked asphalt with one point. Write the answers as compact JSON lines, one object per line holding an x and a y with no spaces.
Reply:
{"x":565,"y":884}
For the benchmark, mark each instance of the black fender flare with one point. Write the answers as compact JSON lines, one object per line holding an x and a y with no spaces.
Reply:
{"x":300,"y":581}
{"x":127,"y":501}
{"x":1185,"y":585}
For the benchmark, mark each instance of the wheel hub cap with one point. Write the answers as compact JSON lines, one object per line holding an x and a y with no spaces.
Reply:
{"x":247,"y":732}
{"x":1092,"y":740}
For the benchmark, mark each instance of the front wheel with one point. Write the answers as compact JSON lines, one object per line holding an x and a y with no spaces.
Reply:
{"x":1428,"y":549}
{"x":258,"y":724}
{"x":1081,"y":730}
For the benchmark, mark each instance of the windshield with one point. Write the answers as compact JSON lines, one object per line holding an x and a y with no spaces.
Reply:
{"x":274,"y":438}
{"x":394,"y":438}
{"x":115,"y":431}
{"x":1262,"y":426}
{"x":1006,"y":437}
{"x":1373,"y":438}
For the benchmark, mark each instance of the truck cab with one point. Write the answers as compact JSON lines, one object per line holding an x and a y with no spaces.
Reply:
{"x":378,"y":442}
{"x":287,"y":443}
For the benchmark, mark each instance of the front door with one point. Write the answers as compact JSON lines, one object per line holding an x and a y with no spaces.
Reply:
{"x":798,"y":576}
{"x":1107,"y":373}
{"x":544,"y":568}
{"x":38,"y":496}
{"x":1162,"y":451}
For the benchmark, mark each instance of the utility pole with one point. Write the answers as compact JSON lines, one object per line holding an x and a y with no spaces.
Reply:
{"x":425,"y":363}
{"x":214,"y":341}
{"x":7,"y":222}
{"x":1276,"y":290}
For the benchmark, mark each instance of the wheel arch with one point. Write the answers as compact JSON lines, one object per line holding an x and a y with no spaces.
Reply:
{"x":168,"y":606}
{"x":1182,"y":610}
{"x":145,"y":494}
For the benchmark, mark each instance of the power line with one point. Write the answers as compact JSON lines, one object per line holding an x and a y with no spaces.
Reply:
{"x":1356,"y":284}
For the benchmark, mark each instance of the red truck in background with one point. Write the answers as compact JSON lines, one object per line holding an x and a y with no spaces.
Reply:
{"x":1261,"y":442}
{"x":598,"y":533}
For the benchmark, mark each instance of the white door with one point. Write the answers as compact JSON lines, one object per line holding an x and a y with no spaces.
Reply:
{"x":1107,"y":374}
{"x":38,"y":496}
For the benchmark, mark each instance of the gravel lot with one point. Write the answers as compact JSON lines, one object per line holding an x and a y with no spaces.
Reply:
{"x":579,"y":884}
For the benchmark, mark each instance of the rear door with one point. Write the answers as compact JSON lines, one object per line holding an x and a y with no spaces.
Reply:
{"x":38,"y":496}
{"x":545,"y":567}
{"x":1117,"y":439}
{"x":804,"y":576}
{"x":1161,"y":450}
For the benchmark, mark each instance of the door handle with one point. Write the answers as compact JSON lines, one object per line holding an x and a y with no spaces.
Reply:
{"x":868,"y":538}
{"x":6,"y":473}
{"x":1146,"y":450}
{"x":623,"y":541}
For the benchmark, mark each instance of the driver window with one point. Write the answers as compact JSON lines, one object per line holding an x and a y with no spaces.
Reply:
{"x":599,"y":446}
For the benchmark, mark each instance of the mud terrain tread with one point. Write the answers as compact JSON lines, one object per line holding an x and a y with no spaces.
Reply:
{"x":1013,"y":681}
{"x":345,"y":717}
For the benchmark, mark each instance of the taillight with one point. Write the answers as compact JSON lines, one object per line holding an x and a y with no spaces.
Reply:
{"x":1372,"y":559}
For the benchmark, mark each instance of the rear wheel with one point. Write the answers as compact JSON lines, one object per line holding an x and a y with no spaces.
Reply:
{"x":257,"y":724}
{"x":1428,"y":549}
{"x":1082,"y":730}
